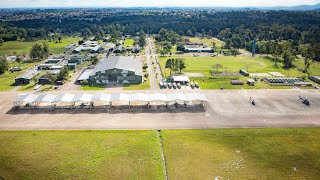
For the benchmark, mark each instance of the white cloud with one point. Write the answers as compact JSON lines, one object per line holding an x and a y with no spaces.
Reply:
{"x":149,"y":3}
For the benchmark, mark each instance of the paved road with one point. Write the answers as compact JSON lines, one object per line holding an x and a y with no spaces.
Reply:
{"x":149,"y":56}
{"x":226,"y":109}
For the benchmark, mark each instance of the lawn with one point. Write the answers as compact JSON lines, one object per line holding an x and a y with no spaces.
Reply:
{"x":7,"y":79}
{"x":128,"y":42}
{"x":243,"y":153}
{"x":143,"y":86}
{"x":92,"y":88}
{"x":207,"y":41}
{"x":80,"y":155}
{"x":19,"y":47}
{"x":279,"y":153}
{"x":234,"y":64}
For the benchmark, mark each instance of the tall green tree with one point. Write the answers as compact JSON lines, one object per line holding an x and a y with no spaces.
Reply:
{"x":36,"y":52}
{"x":142,"y":39}
{"x":4,"y":65}
{"x":94,"y":60}
{"x":181,"y":65}
{"x":46,"y":49}
{"x":309,"y":54}
{"x":288,"y":59}
{"x":19,"y":60}
{"x":63,"y":74}
{"x":217,"y":67}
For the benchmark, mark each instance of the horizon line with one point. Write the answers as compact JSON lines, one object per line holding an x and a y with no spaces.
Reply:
{"x":160,"y":7}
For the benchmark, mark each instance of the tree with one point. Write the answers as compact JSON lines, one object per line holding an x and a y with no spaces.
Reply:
{"x":86,"y":33}
{"x":46,"y":50}
{"x":114,"y":34}
{"x":210,"y":33}
{"x":4,"y":65}
{"x":213,"y":45}
{"x":98,"y":36}
{"x":170,"y":65}
{"x":309,"y":55}
{"x":227,"y":45}
{"x":52,"y":78}
{"x":36,"y":52}
{"x":142,"y":39}
{"x":180,"y":47}
{"x":19,"y":60}
{"x":63,"y":74}
{"x":59,"y":39}
{"x":1,"y":41}
{"x":189,"y":33}
{"x":94,"y":60}
{"x":194,"y":31}
{"x":180,"y":64}
{"x":165,"y":48}
{"x":203,"y":32}
{"x":35,"y":80}
{"x":217,"y":66}
{"x":288,"y":58}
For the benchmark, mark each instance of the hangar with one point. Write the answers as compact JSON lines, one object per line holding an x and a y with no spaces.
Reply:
{"x":117,"y":69}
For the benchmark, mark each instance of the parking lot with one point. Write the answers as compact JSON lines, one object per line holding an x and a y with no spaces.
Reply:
{"x":227,"y":108}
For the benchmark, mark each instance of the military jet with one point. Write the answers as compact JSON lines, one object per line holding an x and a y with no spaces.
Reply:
{"x":305,"y":101}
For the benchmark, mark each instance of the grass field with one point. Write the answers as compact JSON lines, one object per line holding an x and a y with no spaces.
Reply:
{"x":92,"y":88}
{"x":207,"y":41}
{"x":8,"y":48}
{"x":243,"y":153}
{"x":80,"y":155}
{"x":234,"y":64}
{"x":289,"y":153}
{"x":128,"y":42}
{"x":143,"y":86}
{"x":8,"y":78}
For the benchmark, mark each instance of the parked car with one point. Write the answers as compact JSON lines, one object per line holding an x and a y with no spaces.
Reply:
{"x":15,"y":69}
{"x":197,"y":85}
{"x":165,"y":85}
{"x":192,"y":85}
{"x":161,"y":85}
{"x":179,"y":86}
{"x":174,"y":85}
{"x":59,"y":83}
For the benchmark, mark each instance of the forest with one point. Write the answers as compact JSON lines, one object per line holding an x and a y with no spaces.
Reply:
{"x":299,"y":31}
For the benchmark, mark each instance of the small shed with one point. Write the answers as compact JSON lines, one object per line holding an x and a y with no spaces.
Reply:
{"x":244,"y":72}
{"x":45,"y":79}
{"x":303,"y":83}
{"x":236,"y":82}
{"x":250,"y":82}
{"x":77,"y":60}
{"x":72,"y":66}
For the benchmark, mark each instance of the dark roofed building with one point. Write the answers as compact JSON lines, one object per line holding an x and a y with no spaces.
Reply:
{"x":77,"y":60}
{"x":45,"y":79}
{"x":117,"y":69}
{"x":26,"y":77}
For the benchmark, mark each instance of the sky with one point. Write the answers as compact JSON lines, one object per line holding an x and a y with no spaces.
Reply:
{"x":151,"y":3}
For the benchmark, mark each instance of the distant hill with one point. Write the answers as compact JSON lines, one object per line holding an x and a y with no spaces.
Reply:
{"x":296,"y":8}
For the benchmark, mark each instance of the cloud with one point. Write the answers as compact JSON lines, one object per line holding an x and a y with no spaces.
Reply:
{"x":150,"y":3}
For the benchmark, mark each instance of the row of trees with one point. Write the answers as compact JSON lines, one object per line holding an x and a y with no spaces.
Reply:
{"x":175,"y":65}
{"x":165,"y":39}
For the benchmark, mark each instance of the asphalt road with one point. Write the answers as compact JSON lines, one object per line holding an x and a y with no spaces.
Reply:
{"x":226,"y":109}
